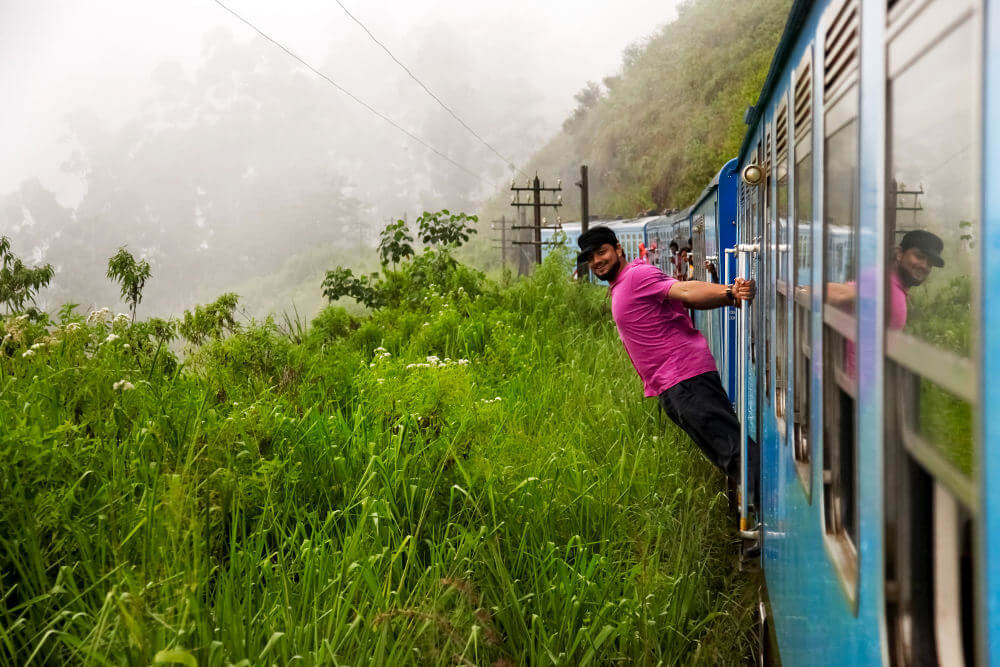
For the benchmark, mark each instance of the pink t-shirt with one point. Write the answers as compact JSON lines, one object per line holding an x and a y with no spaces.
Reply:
{"x":897,"y":320}
{"x":657,"y":332}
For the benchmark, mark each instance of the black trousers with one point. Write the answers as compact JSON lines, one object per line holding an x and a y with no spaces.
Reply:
{"x":700,"y":406}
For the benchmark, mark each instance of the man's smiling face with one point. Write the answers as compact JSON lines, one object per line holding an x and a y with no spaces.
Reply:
{"x":607,"y":261}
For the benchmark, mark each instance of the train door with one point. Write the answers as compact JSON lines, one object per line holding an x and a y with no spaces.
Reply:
{"x":702,"y":317}
{"x":932,"y":329}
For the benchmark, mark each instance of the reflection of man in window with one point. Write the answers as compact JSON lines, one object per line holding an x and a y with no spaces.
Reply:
{"x":917,"y":252}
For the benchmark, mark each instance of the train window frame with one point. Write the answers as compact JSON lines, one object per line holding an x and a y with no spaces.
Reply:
{"x":954,"y":374}
{"x":802,"y":125}
{"x":767,"y":261}
{"x":841,"y":32}
{"x":781,"y":206}
{"x":939,"y":619}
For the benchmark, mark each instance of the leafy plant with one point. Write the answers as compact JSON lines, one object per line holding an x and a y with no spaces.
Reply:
{"x":210,"y":321}
{"x":395,"y":243}
{"x":341,"y":282}
{"x":444,"y":228}
{"x":19,"y":283}
{"x":131,"y":276}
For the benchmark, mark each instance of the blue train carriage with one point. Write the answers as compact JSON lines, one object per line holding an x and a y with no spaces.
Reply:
{"x":712,"y":231}
{"x":864,"y":369}
{"x":631,"y":233}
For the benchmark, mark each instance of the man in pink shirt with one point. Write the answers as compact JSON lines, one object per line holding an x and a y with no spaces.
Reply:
{"x":671,"y":357}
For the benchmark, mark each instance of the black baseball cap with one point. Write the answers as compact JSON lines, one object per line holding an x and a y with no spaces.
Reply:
{"x":930,"y":244}
{"x":592,"y":239}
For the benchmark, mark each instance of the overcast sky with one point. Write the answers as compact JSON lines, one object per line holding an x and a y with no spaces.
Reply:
{"x":60,"y":55}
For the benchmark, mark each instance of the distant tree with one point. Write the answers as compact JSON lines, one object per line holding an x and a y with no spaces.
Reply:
{"x":19,"y":283}
{"x":446,"y":229}
{"x":588,"y":98}
{"x":395,"y":243}
{"x":131,"y":276}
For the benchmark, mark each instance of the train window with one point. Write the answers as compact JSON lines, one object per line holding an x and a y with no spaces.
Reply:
{"x":767,"y":261}
{"x":802,"y":261}
{"x":932,"y":328}
{"x":781,"y":270}
{"x":840,"y":225}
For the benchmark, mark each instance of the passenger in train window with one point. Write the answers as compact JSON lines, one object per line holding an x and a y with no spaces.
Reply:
{"x":713,"y":272}
{"x":674,"y":251}
{"x":670,"y":355}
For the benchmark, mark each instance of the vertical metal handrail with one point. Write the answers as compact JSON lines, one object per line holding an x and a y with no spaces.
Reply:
{"x":743,"y":254}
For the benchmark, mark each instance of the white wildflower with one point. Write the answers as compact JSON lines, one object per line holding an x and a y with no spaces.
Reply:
{"x":380,"y":380}
{"x":127,"y":346}
{"x":426,"y":324}
{"x":99,"y":316}
{"x":37,"y":346}
{"x":111,"y":338}
{"x":123,"y":385}
{"x":29,"y":353}
{"x":462,"y":362}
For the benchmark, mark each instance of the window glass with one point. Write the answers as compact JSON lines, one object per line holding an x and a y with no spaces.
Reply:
{"x":803,"y":214}
{"x":802,"y":321}
{"x":935,"y":233}
{"x":840,"y":222}
{"x":841,"y":195}
{"x":782,"y":235}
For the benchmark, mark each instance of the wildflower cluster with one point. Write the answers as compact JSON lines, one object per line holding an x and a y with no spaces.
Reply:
{"x":435,"y":362}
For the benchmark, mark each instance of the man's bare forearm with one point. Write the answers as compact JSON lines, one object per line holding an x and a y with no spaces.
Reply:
{"x":700,"y":295}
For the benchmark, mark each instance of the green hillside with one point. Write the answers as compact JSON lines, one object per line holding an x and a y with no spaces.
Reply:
{"x":654,"y":135}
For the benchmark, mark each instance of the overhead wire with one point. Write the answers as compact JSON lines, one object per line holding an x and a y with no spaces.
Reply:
{"x":427,"y":90}
{"x":354,"y":97}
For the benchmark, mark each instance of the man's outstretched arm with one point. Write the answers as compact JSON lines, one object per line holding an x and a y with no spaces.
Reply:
{"x":705,"y":296}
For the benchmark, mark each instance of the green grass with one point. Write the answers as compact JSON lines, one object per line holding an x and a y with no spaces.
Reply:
{"x":293,"y":495}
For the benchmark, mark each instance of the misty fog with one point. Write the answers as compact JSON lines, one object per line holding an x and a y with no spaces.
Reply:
{"x":174,"y":129}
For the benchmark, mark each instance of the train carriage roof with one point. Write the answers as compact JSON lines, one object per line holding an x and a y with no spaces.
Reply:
{"x":796,"y":18}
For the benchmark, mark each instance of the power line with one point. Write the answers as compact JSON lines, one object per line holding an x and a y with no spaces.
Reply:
{"x":352,"y":95}
{"x":437,"y":99}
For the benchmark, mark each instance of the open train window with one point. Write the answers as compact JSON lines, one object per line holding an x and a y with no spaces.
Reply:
{"x":802,"y":272}
{"x":932,"y":329}
{"x":781,"y":271}
{"x":840,"y":230}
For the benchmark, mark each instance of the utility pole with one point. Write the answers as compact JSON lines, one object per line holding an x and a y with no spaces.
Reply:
{"x":584,"y":199}
{"x":503,"y":239}
{"x":581,"y":269}
{"x":536,"y":188}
